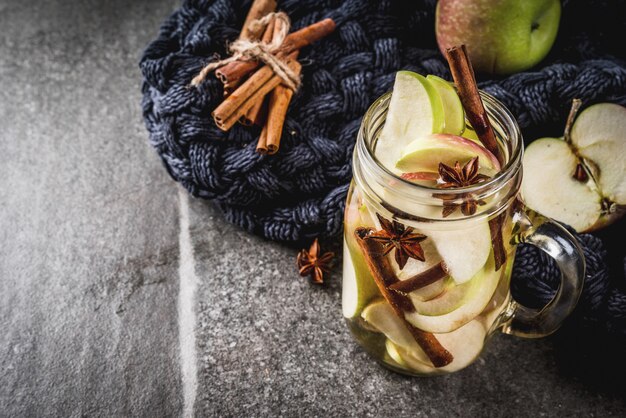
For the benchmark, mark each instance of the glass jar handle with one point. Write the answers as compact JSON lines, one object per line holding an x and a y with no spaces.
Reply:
{"x":559,"y":244}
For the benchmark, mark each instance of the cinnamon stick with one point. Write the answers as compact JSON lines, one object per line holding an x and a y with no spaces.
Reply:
{"x":258,"y":9}
{"x":384,"y":276}
{"x":278,"y":104}
{"x":252,"y":115}
{"x":249,"y":93}
{"x":463,"y":74}
{"x":230,"y":87}
{"x":497,"y":240}
{"x":423,"y":279}
{"x":293,"y":42}
{"x":261,"y":146}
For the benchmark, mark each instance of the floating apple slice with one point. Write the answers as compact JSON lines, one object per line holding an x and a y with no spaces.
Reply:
{"x":549,"y":188}
{"x":358,"y":285}
{"x":465,"y":344}
{"x":452,"y":107}
{"x":475,"y":300}
{"x":464,"y":250}
{"x":425,"y":153}
{"x":415,"y":109}
{"x":599,"y":135}
{"x":451,"y":298}
{"x":382,"y":317}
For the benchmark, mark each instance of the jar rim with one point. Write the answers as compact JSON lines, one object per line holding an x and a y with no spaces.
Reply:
{"x":495,"y":109}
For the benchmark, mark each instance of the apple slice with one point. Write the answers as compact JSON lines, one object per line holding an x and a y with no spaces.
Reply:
{"x":382,"y":317}
{"x":470,"y":133}
{"x":465,"y":344}
{"x":599,"y":135}
{"x":549,"y":188}
{"x":464,"y":249}
{"x":451,"y":298}
{"x":475,"y":300}
{"x":415,"y":109}
{"x":452,"y":107}
{"x":426,"y":152}
{"x":358,"y":286}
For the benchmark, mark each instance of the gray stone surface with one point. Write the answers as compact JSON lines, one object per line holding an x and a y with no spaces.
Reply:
{"x":89,"y":268}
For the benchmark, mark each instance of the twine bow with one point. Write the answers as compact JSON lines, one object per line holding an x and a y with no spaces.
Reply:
{"x":244,"y":49}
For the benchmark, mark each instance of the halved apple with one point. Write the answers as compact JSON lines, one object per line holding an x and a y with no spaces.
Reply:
{"x":426,"y":152}
{"x":415,"y":109}
{"x":452,"y":107}
{"x":598,"y":140}
{"x":475,"y":300}
{"x":549,"y":188}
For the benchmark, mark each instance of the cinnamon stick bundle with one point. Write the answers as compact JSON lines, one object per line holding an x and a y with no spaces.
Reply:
{"x":293,"y":42}
{"x":250,"y":92}
{"x":384,"y":276}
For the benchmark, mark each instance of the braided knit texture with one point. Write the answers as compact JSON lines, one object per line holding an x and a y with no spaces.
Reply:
{"x":299,"y":193}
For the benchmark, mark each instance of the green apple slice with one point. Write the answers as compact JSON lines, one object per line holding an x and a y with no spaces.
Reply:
{"x":382,"y":317}
{"x":415,"y":109}
{"x":358,"y":285}
{"x":452,"y":297}
{"x":464,"y":250}
{"x":549,"y":188}
{"x":465,"y":344}
{"x":476,"y":299}
{"x":425,"y":154}
{"x":452,"y":107}
{"x":599,"y":135}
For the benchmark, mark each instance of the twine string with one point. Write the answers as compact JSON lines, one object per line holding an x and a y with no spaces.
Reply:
{"x":247,"y":50}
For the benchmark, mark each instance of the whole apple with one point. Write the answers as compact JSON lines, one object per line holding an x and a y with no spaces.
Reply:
{"x":502,"y":36}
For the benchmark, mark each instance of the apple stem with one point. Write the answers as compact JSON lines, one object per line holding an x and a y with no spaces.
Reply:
{"x":576,"y":103}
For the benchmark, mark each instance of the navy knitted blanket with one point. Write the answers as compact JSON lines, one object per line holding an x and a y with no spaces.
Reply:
{"x":299,"y":193}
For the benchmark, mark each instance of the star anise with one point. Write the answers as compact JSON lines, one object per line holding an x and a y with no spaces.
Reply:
{"x":455,"y":177}
{"x":402,"y":238}
{"x":311,"y":263}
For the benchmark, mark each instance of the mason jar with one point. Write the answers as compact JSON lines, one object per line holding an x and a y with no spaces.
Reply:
{"x":432,"y":313}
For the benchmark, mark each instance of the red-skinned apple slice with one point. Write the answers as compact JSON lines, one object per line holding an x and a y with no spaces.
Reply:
{"x":425,"y":153}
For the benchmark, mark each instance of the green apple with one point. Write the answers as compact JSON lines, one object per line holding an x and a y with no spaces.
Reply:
{"x":597,"y":140}
{"x":465,"y":344}
{"x":502,"y":36}
{"x":415,"y":110}
{"x":452,"y":108}
{"x":426,"y":152}
{"x":470,"y":133}
{"x":476,"y":298}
